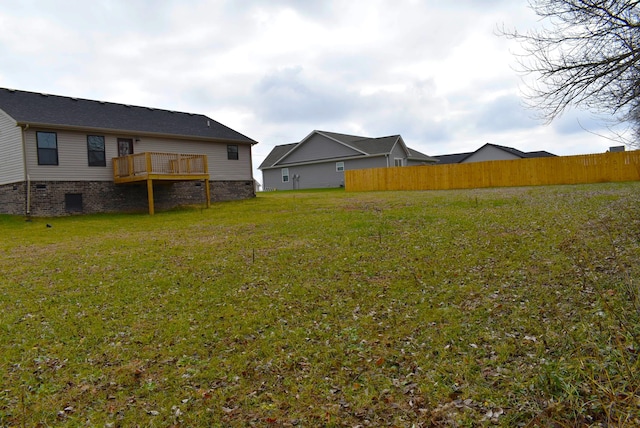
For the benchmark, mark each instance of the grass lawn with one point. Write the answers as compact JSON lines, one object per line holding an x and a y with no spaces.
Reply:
{"x":507,"y":307}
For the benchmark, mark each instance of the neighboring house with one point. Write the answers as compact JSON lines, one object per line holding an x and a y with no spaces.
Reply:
{"x":615,"y":149}
{"x":61,"y":155}
{"x":490,"y":152}
{"x":320,"y":159}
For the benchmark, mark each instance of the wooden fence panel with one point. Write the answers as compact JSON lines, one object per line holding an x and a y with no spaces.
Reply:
{"x":581,"y":169}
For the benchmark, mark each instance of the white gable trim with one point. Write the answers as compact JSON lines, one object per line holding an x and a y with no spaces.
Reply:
{"x":275,"y":164}
{"x":402,"y":144}
{"x":305,"y":139}
{"x":343,"y":143}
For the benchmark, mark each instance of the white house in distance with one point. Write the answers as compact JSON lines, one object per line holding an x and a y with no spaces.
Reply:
{"x":61,"y":155}
{"x":320,"y":159}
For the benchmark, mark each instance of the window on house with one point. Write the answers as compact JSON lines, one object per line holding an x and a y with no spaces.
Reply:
{"x":232,"y":152}
{"x":285,"y":175}
{"x":73,"y":202}
{"x":95,"y":150}
{"x":397,"y":162}
{"x":339,"y":166}
{"x":47,"y":148}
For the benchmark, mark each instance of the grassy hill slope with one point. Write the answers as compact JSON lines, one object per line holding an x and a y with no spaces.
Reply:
{"x":515,"y":307}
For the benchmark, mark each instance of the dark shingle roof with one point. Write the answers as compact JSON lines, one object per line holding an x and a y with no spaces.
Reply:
{"x":375,"y":146}
{"x":370,"y":146}
{"x":345,"y":138}
{"x":454,"y":158}
{"x":511,"y":150}
{"x":276,"y":154}
{"x":540,"y":154}
{"x":53,"y":110}
{"x":416,"y":155}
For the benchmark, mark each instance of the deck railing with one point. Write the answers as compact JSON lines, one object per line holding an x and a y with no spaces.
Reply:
{"x":141,"y":166}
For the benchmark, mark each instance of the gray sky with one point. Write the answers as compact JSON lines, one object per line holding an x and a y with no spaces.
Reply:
{"x":431,"y":70}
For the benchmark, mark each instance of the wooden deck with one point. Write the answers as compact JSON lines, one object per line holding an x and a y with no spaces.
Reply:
{"x":153,"y":166}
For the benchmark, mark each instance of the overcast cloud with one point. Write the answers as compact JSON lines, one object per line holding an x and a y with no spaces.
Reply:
{"x":432,"y":71}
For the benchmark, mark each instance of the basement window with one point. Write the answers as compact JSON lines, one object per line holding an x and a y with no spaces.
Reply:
{"x":73,"y":202}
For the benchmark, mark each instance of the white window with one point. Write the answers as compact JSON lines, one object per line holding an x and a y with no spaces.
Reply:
{"x":397,"y":162}
{"x":339,"y":166}
{"x":285,"y":175}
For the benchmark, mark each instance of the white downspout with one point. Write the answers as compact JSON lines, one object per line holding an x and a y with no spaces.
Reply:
{"x":26,"y":169}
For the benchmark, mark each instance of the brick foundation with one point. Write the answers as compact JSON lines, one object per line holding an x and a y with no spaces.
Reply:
{"x":12,"y":198}
{"x":232,"y":190}
{"x":59,"y":198}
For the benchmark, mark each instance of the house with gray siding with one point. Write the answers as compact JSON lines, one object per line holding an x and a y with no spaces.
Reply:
{"x":61,"y":155}
{"x":320,"y":159}
{"x":490,"y":152}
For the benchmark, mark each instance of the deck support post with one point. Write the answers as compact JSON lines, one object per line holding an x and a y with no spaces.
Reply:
{"x":150,"y":196}
{"x":207,"y":192}
{"x":164,"y":168}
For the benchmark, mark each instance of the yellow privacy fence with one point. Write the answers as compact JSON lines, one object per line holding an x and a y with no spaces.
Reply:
{"x":606,"y":167}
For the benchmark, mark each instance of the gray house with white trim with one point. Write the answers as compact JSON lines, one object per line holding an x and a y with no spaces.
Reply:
{"x":320,"y":159}
{"x":62,"y":155}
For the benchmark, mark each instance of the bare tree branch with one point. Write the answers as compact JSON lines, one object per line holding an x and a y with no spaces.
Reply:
{"x":587,"y":55}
